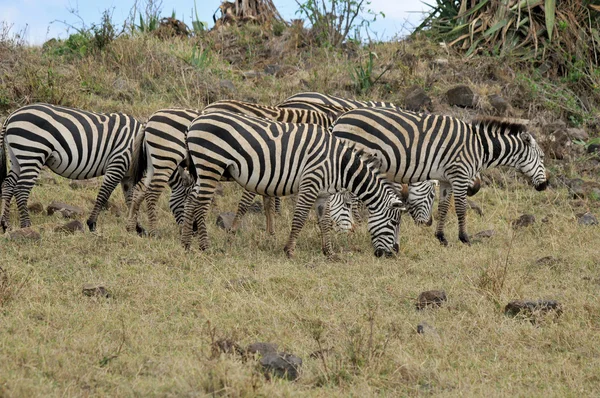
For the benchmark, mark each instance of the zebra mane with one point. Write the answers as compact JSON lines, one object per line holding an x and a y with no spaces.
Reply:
{"x":499,"y":125}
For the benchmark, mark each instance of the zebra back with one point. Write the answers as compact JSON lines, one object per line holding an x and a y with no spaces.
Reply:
{"x":335,"y":102}
{"x":284,"y":115}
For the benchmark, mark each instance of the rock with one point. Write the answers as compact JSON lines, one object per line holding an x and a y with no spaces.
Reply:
{"x":67,"y":211}
{"x":461,"y":96}
{"x":498,"y":103}
{"x":416,"y":99}
{"x":425,"y":328}
{"x":524,"y":221}
{"x":281,"y":365}
{"x":529,"y":308}
{"x":578,"y":134}
{"x":587,"y":219}
{"x":272,"y":69}
{"x":548,"y":261}
{"x":70,"y":227}
{"x":84,"y":184}
{"x":24,"y":234}
{"x":580,"y":189}
{"x":594,"y":148}
{"x":431,"y":298}
{"x":95,"y":290}
{"x":36,"y":207}
{"x":227,"y":85}
{"x":255,"y":207}
{"x":475,"y":207}
{"x":488,"y":233}
{"x":261,"y":348}
{"x":225,"y":220}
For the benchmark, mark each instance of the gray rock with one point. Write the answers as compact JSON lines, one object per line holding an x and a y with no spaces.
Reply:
{"x":227,"y":85}
{"x":461,"y":96}
{"x":578,"y":134}
{"x":36,"y":207}
{"x":594,"y":148}
{"x":498,"y":103}
{"x":84,"y":184}
{"x":95,"y":290}
{"x":549,"y":261}
{"x":488,"y":233}
{"x":524,"y":221}
{"x":587,"y":219}
{"x":70,"y":227}
{"x":425,"y":328}
{"x":225,"y":220}
{"x":431,"y":298}
{"x":261,"y":348}
{"x":416,"y":99}
{"x":272,"y":69}
{"x":67,"y":211}
{"x":281,"y":365}
{"x":24,"y":234}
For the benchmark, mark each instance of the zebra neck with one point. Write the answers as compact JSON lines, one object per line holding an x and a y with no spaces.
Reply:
{"x":498,"y":148}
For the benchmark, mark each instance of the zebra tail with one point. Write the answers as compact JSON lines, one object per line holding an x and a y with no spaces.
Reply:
{"x":3,"y":163}
{"x":139,"y":162}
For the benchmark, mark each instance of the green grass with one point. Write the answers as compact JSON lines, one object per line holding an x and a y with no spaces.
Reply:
{"x":154,"y":335}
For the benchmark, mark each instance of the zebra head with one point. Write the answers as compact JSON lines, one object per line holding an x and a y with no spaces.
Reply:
{"x":340,"y":210}
{"x":384,"y":222}
{"x":531,"y":162}
{"x":419,"y":199}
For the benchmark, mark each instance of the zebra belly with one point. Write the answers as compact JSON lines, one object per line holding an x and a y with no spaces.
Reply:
{"x":74,"y":171}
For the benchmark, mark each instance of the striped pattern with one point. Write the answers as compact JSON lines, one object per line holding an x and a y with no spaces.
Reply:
{"x":415,"y":147}
{"x":281,"y":159}
{"x":73,"y":143}
{"x":332,"y":101}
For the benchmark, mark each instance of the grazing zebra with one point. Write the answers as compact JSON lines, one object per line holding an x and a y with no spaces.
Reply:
{"x":332,"y":101}
{"x":73,"y":143}
{"x":330,"y":111}
{"x":280,"y":159}
{"x":417,"y":147}
{"x":164,"y":149}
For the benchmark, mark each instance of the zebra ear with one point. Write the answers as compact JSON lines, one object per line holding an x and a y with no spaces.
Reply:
{"x":373,"y":160}
{"x":526,"y":137}
{"x":398,"y":204}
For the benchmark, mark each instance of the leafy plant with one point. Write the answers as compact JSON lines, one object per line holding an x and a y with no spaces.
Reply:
{"x":197,"y":25}
{"x":332,"y":20}
{"x":200,"y":58}
{"x":362,"y":76}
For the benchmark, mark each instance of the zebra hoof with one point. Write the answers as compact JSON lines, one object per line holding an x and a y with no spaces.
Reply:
{"x":289,"y":252}
{"x":140,"y":231}
{"x":440,"y":236}
{"x":195,"y":226}
{"x":4,"y":225}
{"x":464,"y":238}
{"x":91,"y":225}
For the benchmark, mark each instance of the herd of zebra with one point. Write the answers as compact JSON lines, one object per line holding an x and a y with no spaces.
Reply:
{"x":332,"y":153}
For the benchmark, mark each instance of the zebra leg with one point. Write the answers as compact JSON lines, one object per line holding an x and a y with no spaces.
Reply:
{"x":325,"y":225}
{"x":196,"y":209}
{"x":138,"y":195}
{"x":269,"y":205}
{"x":8,"y":188}
{"x":245,"y":202}
{"x":23,"y":187}
{"x":278,"y":205}
{"x":306,"y":200}
{"x":460,"y":204}
{"x":445,"y":194}
{"x":189,"y":218}
{"x":111,"y":179}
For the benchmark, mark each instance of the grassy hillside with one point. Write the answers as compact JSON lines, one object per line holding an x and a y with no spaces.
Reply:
{"x":162,"y":329}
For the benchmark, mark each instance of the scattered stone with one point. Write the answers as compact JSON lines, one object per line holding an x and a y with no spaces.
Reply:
{"x":251,"y":74}
{"x":475,"y":207}
{"x":84,"y":184}
{"x":255,"y":207}
{"x":227,"y":85}
{"x":262,"y":349}
{"x":24,"y":234}
{"x":587,"y":219}
{"x":594,"y":148}
{"x":425,"y":328}
{"x":225,"y":220}
{"x":281,"y":365}
{"x":557,"y":144}
{"x":67,"y":211}
{"x":416,"y":99}
{"x":547,"y":219}
{"x":488,"y":233}
{"x":461,"y":96}
{"x":529,"y":308}
{"x":272,"y":69}
{"x":36,"y":207}
{"x":578,"y":134}
{"x":548,"y":261}
{"x":431,"y":298}
{"x":70,"y":227}
{"x":94,"y":290}
{"x":524,"y":221}
{"x":580,"y":189}
{"x":498,"y":103}
{"x":226,"y":346}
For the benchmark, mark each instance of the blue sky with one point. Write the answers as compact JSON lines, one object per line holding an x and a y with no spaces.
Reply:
{"x":38,"y":15}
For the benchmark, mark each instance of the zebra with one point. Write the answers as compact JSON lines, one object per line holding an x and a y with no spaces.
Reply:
{"x":331,"y":101}
{"x":280,"y":159}
{"x":73,"y":143}
{"x":417,"y":147}
{"x":163,"y":152}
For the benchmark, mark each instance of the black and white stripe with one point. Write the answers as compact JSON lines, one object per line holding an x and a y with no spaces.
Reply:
{"x":73,"y":143}
{"x":415,"y":147}
{"x":331,"y":101}
{"x":281,"y":159}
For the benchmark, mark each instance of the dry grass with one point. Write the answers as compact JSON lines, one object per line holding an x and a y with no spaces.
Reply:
{"x":153,"y":336}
